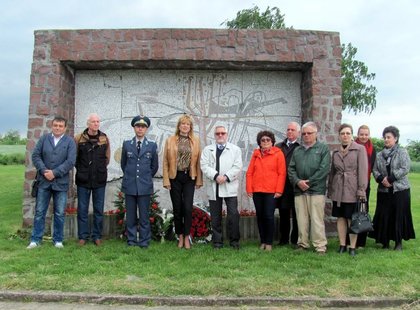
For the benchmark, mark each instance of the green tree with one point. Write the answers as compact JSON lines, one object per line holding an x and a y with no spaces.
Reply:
{"x":378,"y":144}
{"x":413,"y":149}
{"x":254,"y":19}
{"x":358,"y":95}
{"x":11,"y":137}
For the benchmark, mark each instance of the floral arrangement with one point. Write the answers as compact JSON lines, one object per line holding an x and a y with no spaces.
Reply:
{"x":201,"y":225}
{"x":70,"y":211}
{"x":161,"y":221}
{"x":243,"y":213}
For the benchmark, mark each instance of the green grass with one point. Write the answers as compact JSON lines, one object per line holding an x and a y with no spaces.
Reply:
{"x":163,"y":270}
{"x":12,"y":149}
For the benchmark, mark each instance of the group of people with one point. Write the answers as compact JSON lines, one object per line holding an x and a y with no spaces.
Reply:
{"x":290,"y":176}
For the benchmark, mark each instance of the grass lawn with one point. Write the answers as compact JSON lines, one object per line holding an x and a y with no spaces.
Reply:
{"x":12,"y":149}
{"x":164,"y":270}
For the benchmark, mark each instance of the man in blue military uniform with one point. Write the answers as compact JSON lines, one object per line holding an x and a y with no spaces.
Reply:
{"x":139,"y":163}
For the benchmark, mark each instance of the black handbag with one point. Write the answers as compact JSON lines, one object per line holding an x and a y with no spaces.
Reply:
{"x":360,"y":220}
{"x":35,"y":183}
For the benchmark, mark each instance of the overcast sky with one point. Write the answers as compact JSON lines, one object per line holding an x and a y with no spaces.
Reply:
{"x":386,"y":33}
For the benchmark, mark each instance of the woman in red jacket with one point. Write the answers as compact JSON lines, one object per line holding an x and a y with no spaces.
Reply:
{"x":265,"y":181}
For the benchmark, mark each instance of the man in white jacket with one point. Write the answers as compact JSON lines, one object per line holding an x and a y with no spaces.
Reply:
{"x":221,"y":164}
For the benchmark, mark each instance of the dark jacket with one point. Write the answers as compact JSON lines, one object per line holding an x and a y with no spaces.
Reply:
{"x":60,"y":159}
{"x":311,"y":164}
{"x":138,"y":169}
{"x":288,"y":198}
{"x":92,"y":160}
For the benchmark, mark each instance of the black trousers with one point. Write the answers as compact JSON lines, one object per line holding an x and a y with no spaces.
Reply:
{"x":232,"y":221}
{"x":285,"y":215}
{"x":265,"y":204}
{"x":182,"y":195}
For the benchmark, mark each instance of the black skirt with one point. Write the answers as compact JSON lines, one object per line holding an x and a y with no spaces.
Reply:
{"x":393,"y":220}
{"x":346,"y":209}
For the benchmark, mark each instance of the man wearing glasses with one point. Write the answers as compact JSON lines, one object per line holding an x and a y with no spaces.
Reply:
{"x":221,"y":164}
{"x":308,"y":171}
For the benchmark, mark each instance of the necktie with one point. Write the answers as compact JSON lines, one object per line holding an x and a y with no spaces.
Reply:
{"x":138,"y":147}
{"x":289,"y":143}
{"x":220,"y":147}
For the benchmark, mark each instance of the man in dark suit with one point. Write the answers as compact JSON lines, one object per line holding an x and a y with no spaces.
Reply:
{"x":53,"y":157}
{"x":139,"y":163}
{"x":286,"y":203}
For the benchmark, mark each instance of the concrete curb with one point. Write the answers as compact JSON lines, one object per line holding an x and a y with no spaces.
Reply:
{"x":197,"y":301}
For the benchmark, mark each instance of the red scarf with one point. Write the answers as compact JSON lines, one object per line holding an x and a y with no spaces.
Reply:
{"x":369,"y":149}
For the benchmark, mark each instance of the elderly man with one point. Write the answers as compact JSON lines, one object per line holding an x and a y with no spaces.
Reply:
{"x":53,"y":157}
{"x":308,"y":171}
{"x":139,"y":163}
{"x":93,"y":153}
{"x":286,"y":203}
{"x":221,"y":164}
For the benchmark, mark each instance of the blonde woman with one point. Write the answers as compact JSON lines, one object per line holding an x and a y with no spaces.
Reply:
{"x":181,"y":175}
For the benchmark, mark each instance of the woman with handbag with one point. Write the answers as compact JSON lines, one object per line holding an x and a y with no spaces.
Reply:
{"x":363,"y":138}
{"x":347,"y":184}
{"x":392,"y":220}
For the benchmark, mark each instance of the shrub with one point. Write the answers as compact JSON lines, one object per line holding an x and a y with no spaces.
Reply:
{"x":12,"y":159}
{"x":415,"y":167}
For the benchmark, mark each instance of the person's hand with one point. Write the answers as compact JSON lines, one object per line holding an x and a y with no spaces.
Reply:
{"x":277,"y":195}
{"x":249,"y":195}
{"x":386,"y":183}
{"x":198,"y":186}
{"x":221,"y":179}
{"x":168,"y":187}
{"x":303,"y":185}
{"x":49,"y":175}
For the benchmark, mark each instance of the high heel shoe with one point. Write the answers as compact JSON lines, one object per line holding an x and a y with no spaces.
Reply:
{"x":181,"y":241}
{"x":187,"y":243}
{"x":342,"y":249}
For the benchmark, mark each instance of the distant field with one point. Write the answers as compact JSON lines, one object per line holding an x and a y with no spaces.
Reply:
{"x":12,"y":149}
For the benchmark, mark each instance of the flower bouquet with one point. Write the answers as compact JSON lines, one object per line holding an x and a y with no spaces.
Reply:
{"x":201,"y":225}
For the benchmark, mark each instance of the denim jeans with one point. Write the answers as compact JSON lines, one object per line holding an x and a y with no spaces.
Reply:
{"x":42,"y":201}
{"x":98,"y":199}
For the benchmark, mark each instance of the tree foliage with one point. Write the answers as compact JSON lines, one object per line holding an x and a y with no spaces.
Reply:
{"x":358,"y":95}
{"x":254,"y":19}
{"x":413,"y":149}
{"x":378,"y":144}
{"x":12,"y":137}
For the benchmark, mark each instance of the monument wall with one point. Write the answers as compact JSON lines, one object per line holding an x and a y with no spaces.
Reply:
{"x":248,"y":79}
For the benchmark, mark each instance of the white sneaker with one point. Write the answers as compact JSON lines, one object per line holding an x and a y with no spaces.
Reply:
{"x":59,"y":245}
{"x":32,"y":245}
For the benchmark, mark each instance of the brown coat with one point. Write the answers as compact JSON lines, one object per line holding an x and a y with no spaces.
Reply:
{"x":348,"y":177}
{"x":170,"y":154}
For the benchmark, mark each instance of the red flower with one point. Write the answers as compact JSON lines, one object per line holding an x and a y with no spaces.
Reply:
{"x":152,"y":220}
{"x":120,"y":195}
{"x":154,"y":206}
{"x":120,"y":222}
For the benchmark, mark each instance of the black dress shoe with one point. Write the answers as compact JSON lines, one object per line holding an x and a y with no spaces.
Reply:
{"x":385,"y":246}
{"x":342,"y":249}
{"x":352,"y":252}
{"x":398,"y":246}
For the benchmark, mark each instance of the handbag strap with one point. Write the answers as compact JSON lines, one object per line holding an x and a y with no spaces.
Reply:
{"x":362,"y":205}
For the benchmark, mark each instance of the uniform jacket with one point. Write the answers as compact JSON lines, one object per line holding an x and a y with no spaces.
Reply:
{"x":348,"y":176}
{"x":138,"y":169}
{"x":400,"y":166}
{"x":230,"y":162}
{"x":311,"y":164}
{"x":288,"y":197}
{"x":170,"y":154}
{"x":60,"y":159}
{"x":92,"y":160}
{"x":266,"y":174}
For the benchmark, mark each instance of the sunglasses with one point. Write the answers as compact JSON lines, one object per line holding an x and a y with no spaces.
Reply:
{"x":307,"y":133}
{"x":219,"y":133}
{"x":265,"y":140}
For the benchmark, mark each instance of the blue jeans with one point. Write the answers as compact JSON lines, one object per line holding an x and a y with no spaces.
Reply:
{"x":41,"y":208}
{"x":98,"y":199}
{"x":140,"y":204}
